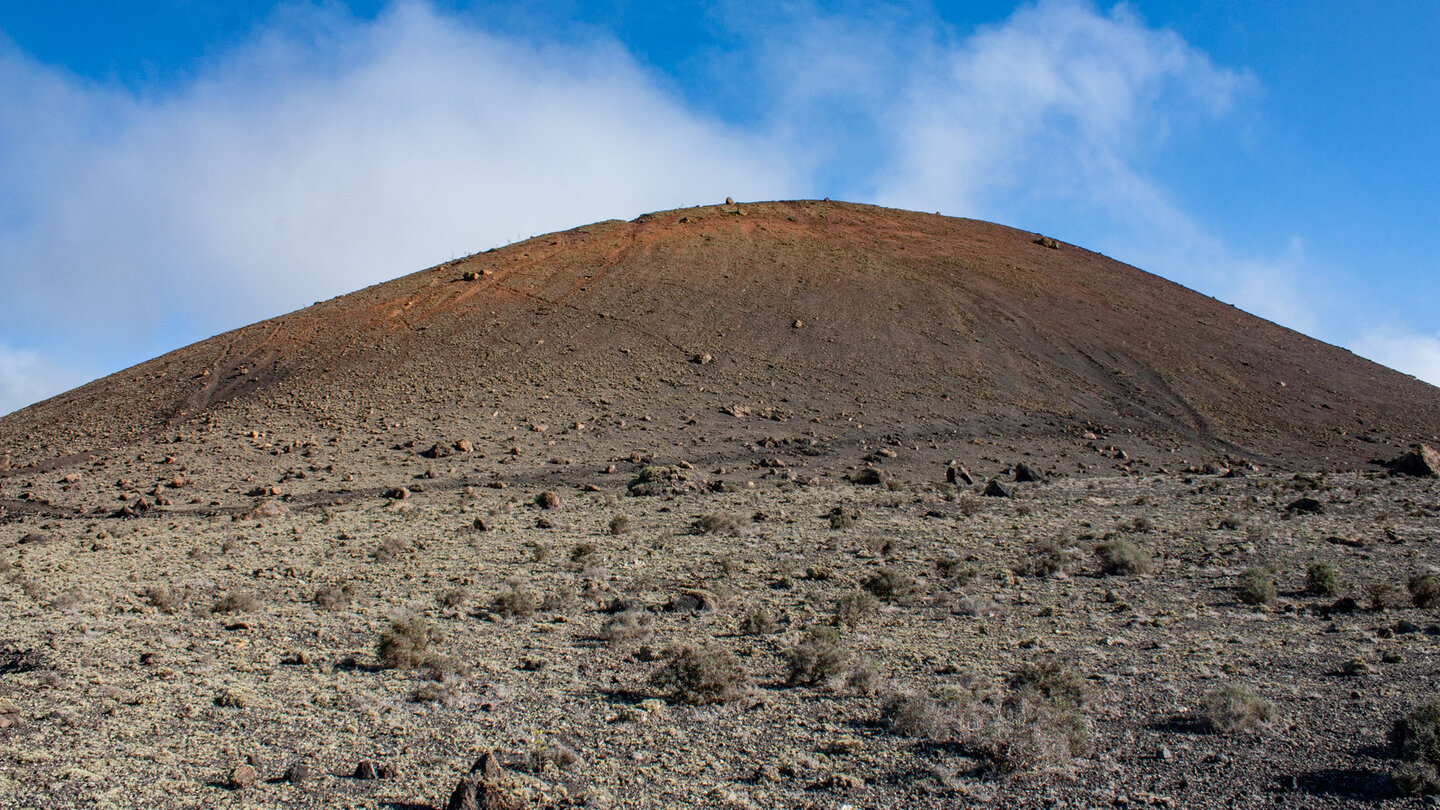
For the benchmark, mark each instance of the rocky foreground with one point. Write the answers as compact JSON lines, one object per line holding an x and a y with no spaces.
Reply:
{"x":693,"y":637}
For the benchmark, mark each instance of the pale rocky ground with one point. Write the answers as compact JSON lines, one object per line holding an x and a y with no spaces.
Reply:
{"x":108,"y":700}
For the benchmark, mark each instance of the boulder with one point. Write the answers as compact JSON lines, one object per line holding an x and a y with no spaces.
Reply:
{"x":958,"y":475}
{"x":1025,"y":473}
{"x":1422,"y":461}
{"x":995,"y":489}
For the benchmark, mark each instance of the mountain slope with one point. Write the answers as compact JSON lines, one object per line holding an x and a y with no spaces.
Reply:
{"x":866,"y":321}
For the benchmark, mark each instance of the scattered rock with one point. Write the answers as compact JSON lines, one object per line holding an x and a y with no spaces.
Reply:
{"x":1422,"y":461}
{"x":703,"y":359}
{"x":1305,"y":506}
{"x":37,"y":539}
{"x":868,"y":476}
{"x":693,"y":600}
{"x":488,"y":767}
{"x":995,"y":489}
{"x":439,"y":450}
{"x":547,"y":500}
{"x":242,"y":777}
{"x":1024,"y":473}
{"x":266,"y":510}
{"x":298,"y":773}
{"x":464,"y":446}
{"x":476,"y":794}
{"x":397,"y":493}
{"x":958,"y":475}
{"x":1045,"y":241}
{"x":729,"y":200}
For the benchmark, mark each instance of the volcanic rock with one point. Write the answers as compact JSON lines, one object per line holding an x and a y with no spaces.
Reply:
{"x":1422,"y":460}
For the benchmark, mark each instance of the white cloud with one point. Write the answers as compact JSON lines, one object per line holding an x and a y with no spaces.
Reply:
{"x":326,"y":155}
{"x":26,"y":377}
{"x":1057,"y":103}
{"x":1403,"y":350}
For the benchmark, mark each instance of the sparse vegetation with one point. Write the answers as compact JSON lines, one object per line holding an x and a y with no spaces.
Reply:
{"x":408,"y":644}
{"x":1120,"y":557}
{"x":1256,"y":587}
{"x":331,"y":597}
{"x":757,"y":621}
{"x":163,"y":599}
{"x":235,"y":602}
{"x":1425,"y":590}
{"x":700,"y":676}
{"x":517,"y":600}
{"x":715,"y":523}
{"x":1235,"y":709}
{"x":1321,"y":579}
{"x":841,"y":518}
{"x":628,"y":625}
{"x":1385,"y":595}
{"x":1415,"y":737}
{"x":889,"y":584}
{"x":855,"y":607}
{"x":620,"y":524}
{"x":818,"y":657}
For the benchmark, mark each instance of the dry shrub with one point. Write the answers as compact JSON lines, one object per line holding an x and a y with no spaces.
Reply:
{"x":1050,"y":557}
{"x":1416,"y":740}
{"x":453,"y":598}
{"x":1387,"y":596}
{"x":700,"y":676}
{"x":816,"y":658}
{"x":855,"y":607}
{"x":757,"y":621}
{"x":715,"y":523}
{"x":1234,"y":709}
{"x":1256,"y":587}
{"x":1032,"y":735}
{"x":164,"y":599}
{"x":889,"y":584}
{"x":408,"y":644}
{"x":332,"y":597}
{"x":1425,"y":590}
{"x":628,"y":625}
{"x":389,"y":549}
{"x":516,"y":601}
{"x":1121,"y":557}
{"x":235,"y":602}
{"x":620,"y":524}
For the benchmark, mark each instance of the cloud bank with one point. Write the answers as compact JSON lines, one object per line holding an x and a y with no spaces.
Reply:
{"x":329,"y":153}
{"x":326,"y":155}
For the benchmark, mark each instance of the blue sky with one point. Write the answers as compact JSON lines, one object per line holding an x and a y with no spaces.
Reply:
{"x":181,"y":168}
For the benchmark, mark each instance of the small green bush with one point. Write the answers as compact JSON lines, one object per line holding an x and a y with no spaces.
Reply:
{"x":1256,"y":587}
{"x":1425,"y":590}
{"x":1416,"y":739}
{"x":1321,"y":579}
